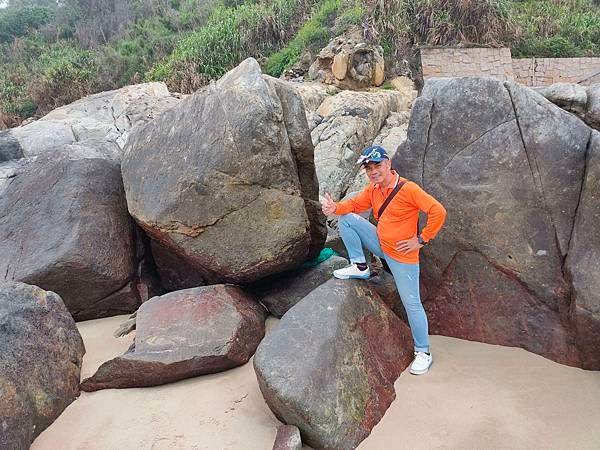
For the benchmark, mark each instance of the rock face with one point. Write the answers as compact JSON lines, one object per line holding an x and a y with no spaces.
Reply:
{"x":288,"y":438}
{"x":351,"y":120}
{"x":580,"y":100}
{"x":184,"y":334}
{"x":583,"y":261}
{"x":350,"y":63}
{"x":107,"y":116}
{"x":280,"y":292}
{"x":508,"y":165}
{"x":40,"y":364}
{"x":330,"y":364}
{"x":225,"y":181}
{"x":66,"y":229}
{"x":592,"y":113}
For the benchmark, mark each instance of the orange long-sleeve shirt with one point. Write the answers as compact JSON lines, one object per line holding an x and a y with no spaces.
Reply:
{"x":401,"y":217}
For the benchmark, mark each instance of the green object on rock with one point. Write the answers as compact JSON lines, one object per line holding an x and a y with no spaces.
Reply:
{"x":325,"y":254}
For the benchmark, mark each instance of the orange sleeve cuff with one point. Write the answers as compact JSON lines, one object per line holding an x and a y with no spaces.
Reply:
{"x":436,"y":216}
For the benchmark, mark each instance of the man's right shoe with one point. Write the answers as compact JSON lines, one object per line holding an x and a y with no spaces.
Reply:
{"x":352,"y":271}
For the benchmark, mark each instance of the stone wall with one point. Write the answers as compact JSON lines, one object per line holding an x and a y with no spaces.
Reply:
{"x":498,"y":63}
{"x":467,"y":62}
{"x":546,"y":71}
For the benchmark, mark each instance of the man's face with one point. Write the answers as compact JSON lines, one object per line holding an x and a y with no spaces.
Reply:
{"x":379,"y":172}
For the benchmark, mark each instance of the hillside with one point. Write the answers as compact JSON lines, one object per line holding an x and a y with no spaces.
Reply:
{"x":52,"y":53}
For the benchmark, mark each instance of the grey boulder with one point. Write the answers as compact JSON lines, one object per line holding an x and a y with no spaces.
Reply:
{"x":509,"y":166}
{"x":41,"y":352}
{"x":282,"y":291}
{"x":65,"y":227}
{"x":184,"y":334}
{"x":225,"y":182}
{"x":107,"y":116}
{"x":330,"y":364}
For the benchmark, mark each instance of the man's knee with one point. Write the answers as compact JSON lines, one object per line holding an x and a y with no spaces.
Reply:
{"x":347,"y":219}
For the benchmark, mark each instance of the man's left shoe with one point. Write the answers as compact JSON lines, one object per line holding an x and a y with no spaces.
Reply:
{"x":352,"y":271}
{"x":421,"y":363}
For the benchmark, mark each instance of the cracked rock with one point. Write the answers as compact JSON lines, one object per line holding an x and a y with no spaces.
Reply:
{"x":508,"y":165}
{"x":64,"y":226}
{"x":184,"y":334}
{"x":225,"y":182}
{"x":330,"y":364}
{"x":40,"y":364}
{"x":99,"y":119}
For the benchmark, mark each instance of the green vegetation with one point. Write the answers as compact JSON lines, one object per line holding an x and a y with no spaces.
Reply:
{"x":230,"y":35}
{"x":52,"y":53}
{"x":315,"y":33}
{"x":557,"y":29}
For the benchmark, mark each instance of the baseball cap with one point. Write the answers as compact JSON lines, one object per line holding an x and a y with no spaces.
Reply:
{"x":374,"y":153}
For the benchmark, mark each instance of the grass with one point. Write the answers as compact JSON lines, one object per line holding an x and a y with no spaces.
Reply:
{"x":566,"y":28}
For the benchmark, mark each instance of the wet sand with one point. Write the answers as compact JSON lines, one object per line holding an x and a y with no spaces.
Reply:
{"x":477,"y":396}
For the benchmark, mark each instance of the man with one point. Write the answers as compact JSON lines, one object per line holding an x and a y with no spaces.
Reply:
{"x":395,"y":239}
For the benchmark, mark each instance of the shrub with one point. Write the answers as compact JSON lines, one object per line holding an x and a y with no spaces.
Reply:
{"x":314,"y":33}
{"x":230,"y":35}
{"x":65,"y":73}
{"x":17,"y":21}
{"x":557,"y":29}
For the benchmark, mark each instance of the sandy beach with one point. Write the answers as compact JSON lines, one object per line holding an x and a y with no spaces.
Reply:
{"x":477,"y":396}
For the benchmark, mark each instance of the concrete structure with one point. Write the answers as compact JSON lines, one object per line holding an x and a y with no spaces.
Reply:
{"x":498,"y":63}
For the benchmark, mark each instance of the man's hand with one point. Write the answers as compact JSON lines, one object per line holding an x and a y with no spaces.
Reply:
{"x":328,"y":205}
{"x":408,"y":245}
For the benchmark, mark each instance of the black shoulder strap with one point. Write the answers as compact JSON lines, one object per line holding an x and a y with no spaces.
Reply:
{"x":389,"y":198}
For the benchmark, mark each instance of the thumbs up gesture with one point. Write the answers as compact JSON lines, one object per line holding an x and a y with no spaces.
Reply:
{"x":328,"y":205}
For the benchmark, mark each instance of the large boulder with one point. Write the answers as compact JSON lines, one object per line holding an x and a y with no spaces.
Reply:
{"x":225,"y":181}
{"x":583,"y":262}
{"x":351,"y":120}
{"x":184,"y":334}
{"x":107,"y":116}
{"x":580,"y":100}
{"x":330,"y":364}
{"x":65,"y":228}
{"x":40,"y":365}
{"x":282,"y":291}
{"x":508,"y":165}
{"x":569,"y":96}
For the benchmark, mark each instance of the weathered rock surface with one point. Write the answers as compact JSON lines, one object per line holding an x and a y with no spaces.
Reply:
{"x":225,"y":180}
{"x":65,"y":227}
{"x":508,"y":165}
{"x":280,"y":292}
{"x":350,"y":63}
{"x":184,"y":334}
{"x":569,"y":96}
{"x":580,"y":100}
{"x":107,"y":116}
{"x":288,"y":438}
{"x":9,"y":170}
{"x":330,"y":364}
{"x":351,"y":120}
{"x":592,"y":113}
{"x":40,"y":365}
{"x":583,"y":261}
{"x":314,"y":93}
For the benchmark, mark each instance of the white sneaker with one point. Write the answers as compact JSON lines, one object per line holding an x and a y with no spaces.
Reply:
{"x":352,"y":271}
{"x":421,"y":364}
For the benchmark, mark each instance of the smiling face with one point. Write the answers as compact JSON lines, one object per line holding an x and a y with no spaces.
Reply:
{"x":380,"y":172}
